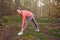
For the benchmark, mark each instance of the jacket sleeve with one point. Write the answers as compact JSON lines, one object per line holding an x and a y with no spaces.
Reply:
{"x":23,"y":20}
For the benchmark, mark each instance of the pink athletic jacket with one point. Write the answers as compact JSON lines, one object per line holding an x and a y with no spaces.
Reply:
{"x":25,"y":14}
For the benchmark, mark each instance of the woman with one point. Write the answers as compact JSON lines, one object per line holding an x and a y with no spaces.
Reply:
{"x":27,"y":16}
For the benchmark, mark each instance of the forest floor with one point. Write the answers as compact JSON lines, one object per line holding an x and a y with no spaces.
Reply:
{"x":49,"y":29}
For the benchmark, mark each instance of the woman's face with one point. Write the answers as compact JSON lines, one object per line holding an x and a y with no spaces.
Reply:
{"x":18,"y":11}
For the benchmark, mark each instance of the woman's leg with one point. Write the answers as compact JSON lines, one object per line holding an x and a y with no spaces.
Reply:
{"x":35,"y":23}
{"x":27,"y":21}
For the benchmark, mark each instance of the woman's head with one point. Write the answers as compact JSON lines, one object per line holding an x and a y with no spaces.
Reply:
{"x":18,"y":10}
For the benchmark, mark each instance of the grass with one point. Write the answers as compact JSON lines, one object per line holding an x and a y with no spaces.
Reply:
{"x":46,"y":20}
{"x":17,"y":19}
{"x":30,"y":34}
{"x":55,"y":33}
{"x":11,"y":20}
{"x":5,"y":19}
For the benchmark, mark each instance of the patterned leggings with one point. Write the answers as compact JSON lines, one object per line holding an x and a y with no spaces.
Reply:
{"x":31,"y":18}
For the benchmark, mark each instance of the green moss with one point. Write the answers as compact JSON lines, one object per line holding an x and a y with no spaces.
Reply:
{"x":45,"y":20}
{"x":16,"y":19}
{"x":5,"y":19}
{"x":55,"y":33}
{"x":40,"y":36}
